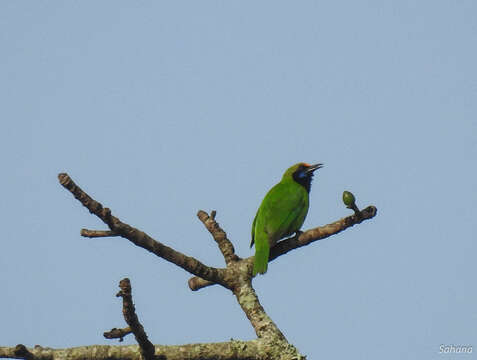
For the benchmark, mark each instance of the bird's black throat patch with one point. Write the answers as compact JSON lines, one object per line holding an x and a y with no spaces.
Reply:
{"x":303,"y":177}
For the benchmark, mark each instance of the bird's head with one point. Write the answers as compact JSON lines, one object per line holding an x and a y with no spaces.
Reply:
{"x":302,"y":173}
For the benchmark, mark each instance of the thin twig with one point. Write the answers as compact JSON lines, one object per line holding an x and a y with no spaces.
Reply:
{"x":97,"y":233}
{"x":225,"y":245}
{"x":116,"y":333}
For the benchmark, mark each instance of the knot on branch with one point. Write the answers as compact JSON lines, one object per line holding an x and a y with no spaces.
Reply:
{"x":21,"y":351}
{"x":369,"y":212}
{"x":125,"y":286}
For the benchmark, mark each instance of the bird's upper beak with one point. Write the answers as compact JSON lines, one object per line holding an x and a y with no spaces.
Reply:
{"x":314,"y":167}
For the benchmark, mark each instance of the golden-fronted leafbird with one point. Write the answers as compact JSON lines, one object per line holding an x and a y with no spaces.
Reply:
{"x":282,"y":212}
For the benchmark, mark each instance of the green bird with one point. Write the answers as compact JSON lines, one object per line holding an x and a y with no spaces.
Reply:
{"x":282,"y":212}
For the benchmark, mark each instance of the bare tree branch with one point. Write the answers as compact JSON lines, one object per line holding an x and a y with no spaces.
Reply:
{"x":321,"y":232}
{"x":264,"y":326}
{"x":129,"y":312}
{"x":234,"y":349}
{"x":219,"y":235}
{"x":140,"y":238}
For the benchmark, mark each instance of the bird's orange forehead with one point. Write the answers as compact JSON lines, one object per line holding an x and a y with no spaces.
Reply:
{"x":306,"y":164}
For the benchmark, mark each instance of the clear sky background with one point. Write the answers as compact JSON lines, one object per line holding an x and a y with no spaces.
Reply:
{"x":158,"y":109}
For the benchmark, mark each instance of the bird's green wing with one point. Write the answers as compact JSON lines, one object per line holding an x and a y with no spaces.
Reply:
{"x":284,"y":210}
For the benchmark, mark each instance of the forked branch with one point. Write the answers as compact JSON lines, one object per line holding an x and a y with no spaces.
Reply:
{"x":140,"y":238}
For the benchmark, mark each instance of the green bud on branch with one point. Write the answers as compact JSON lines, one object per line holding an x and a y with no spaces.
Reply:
{"x":348,"y":199}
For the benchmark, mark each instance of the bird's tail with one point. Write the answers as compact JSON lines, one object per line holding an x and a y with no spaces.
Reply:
{"x":262,"y":251}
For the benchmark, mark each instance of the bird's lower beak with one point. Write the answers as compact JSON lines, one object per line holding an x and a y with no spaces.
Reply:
{"x":314,"y":167}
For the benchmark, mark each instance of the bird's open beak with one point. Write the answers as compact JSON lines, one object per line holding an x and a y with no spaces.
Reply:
{"x":314,"y":167}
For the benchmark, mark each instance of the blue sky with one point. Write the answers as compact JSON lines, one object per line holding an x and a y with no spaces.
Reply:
{"x":158,"y":109}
